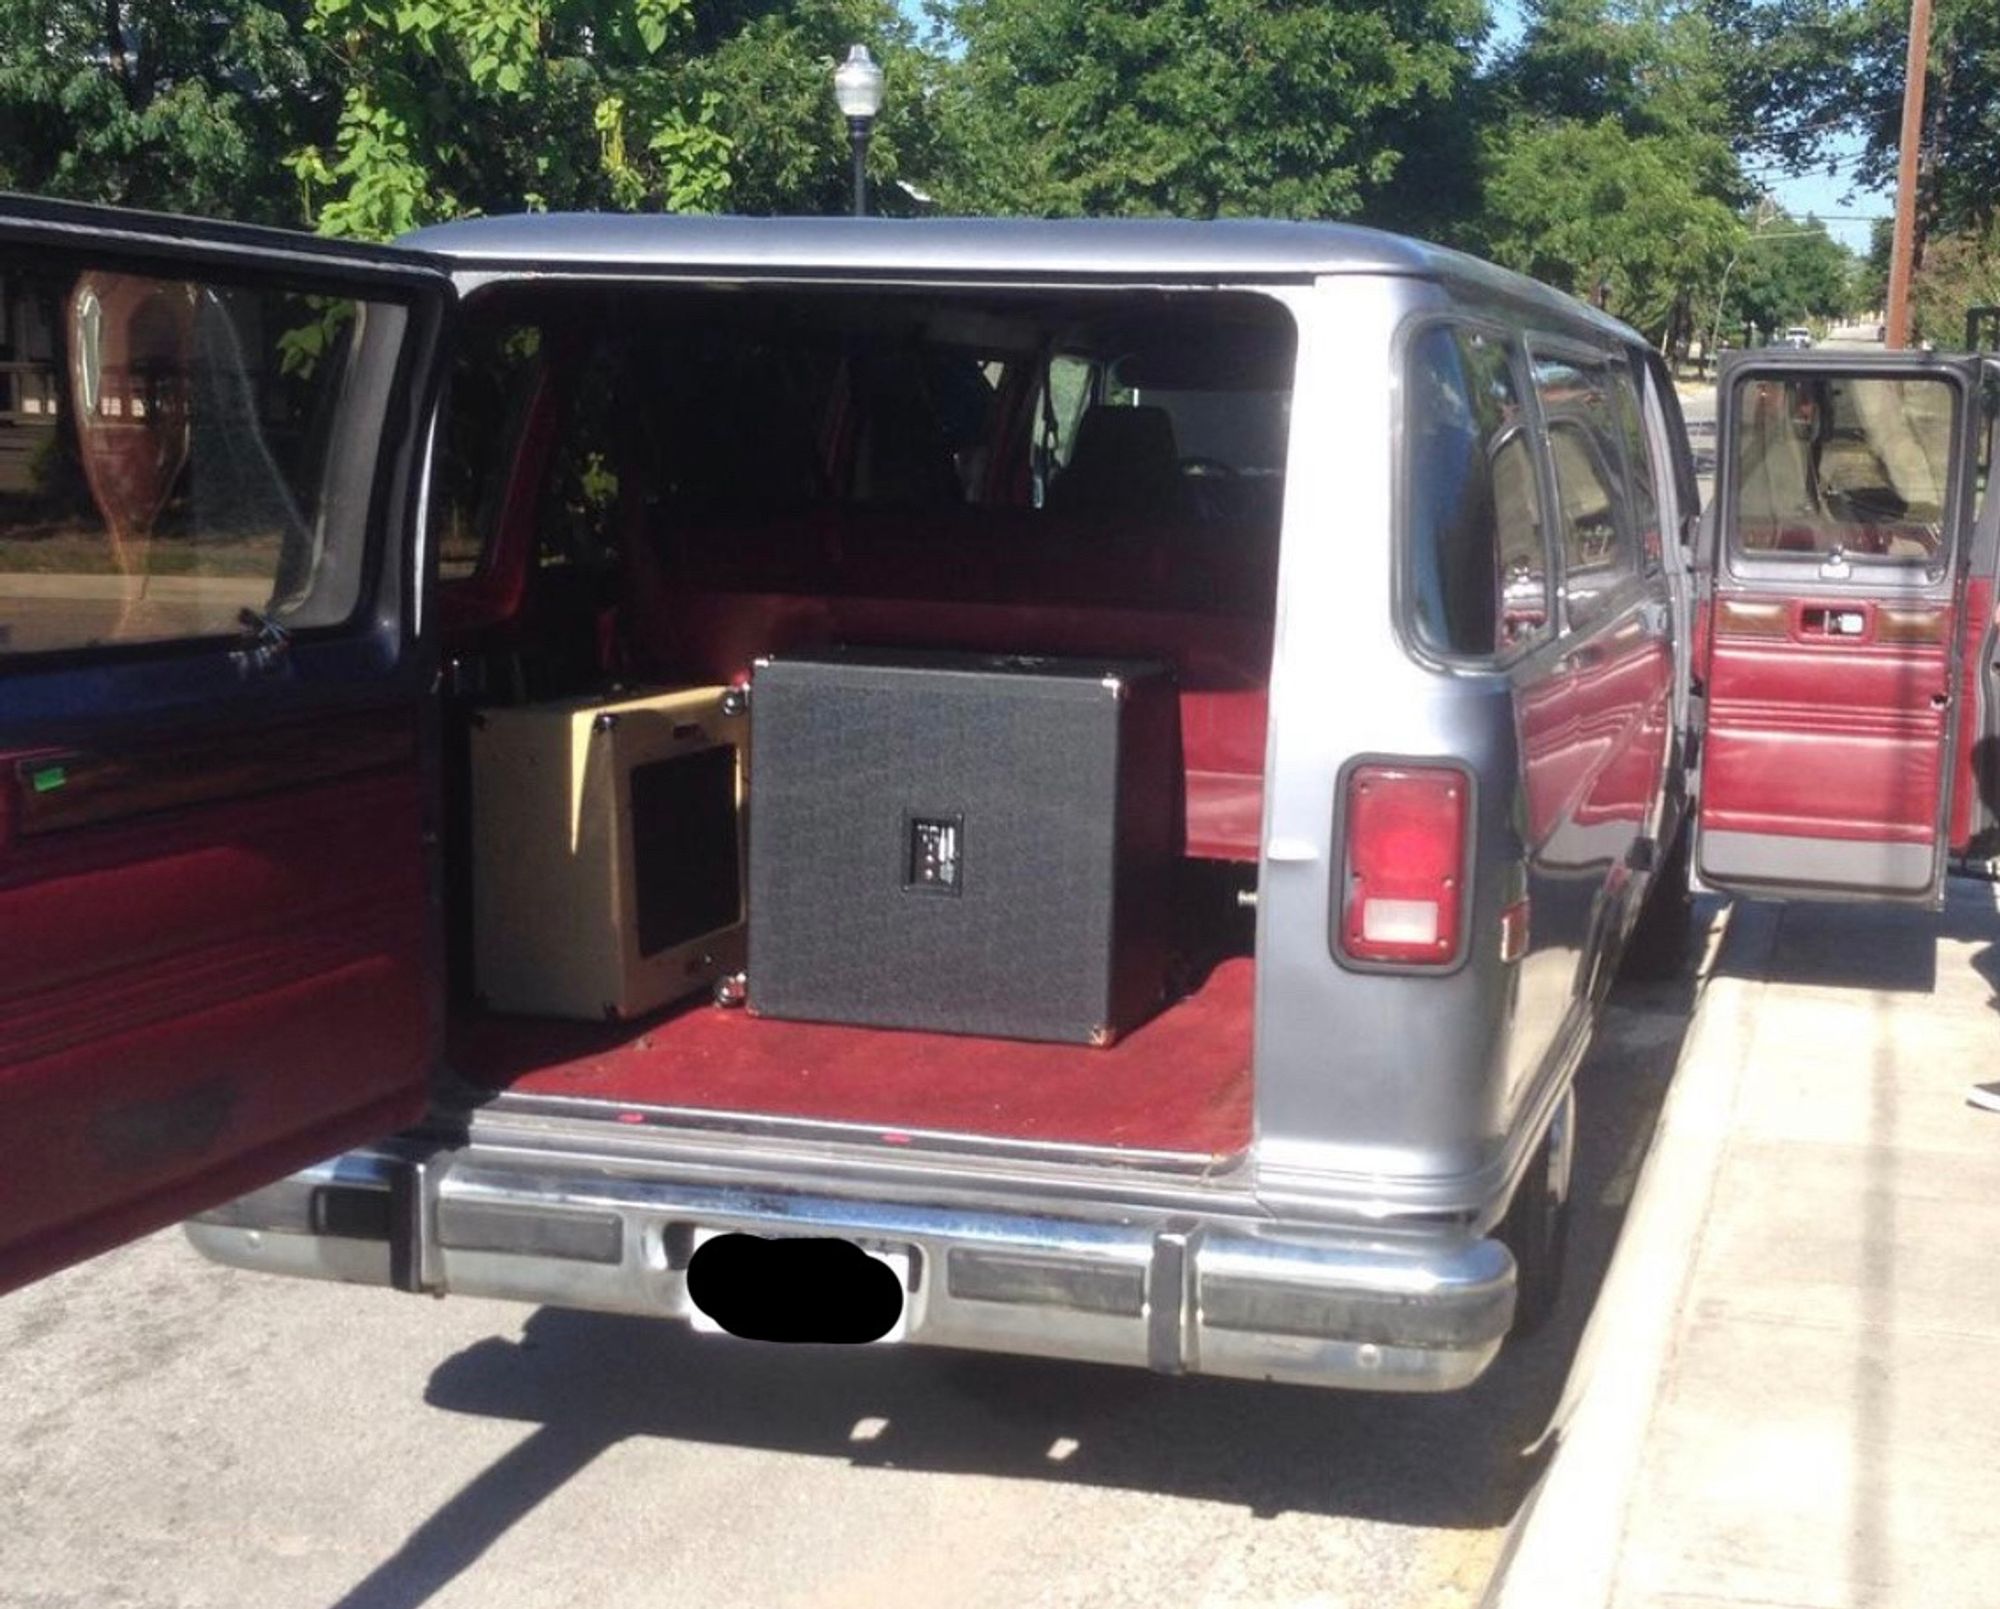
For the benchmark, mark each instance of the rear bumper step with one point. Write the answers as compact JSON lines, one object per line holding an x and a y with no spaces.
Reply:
{"x":1178,"y":1295}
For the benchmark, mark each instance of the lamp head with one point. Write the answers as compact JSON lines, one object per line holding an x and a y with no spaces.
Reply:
{"x":857,"y":84}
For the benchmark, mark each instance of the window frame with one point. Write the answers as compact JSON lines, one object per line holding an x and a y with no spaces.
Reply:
{"x":1866,"y":571}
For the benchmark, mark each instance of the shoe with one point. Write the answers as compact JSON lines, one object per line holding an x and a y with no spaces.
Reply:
{"x":1984,"y":1096}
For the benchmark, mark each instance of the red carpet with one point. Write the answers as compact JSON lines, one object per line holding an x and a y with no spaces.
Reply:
{"x":1180,"y":1083}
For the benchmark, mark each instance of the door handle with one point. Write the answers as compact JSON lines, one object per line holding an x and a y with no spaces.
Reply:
{"x":1838,"y":622}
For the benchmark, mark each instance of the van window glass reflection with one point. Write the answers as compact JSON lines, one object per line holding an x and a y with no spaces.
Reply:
{"x":1479,"y":575}
{"x":1593,"y":514}
{"x":165,"y":459}
{"x":1854,"y":466}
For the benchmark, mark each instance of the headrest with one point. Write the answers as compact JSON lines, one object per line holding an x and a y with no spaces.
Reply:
{"x":1124,"y":458}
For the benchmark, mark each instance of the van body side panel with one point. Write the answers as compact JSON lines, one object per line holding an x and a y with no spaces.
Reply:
{"x":1431,"y":1089}
{"x":1408,"y":1083}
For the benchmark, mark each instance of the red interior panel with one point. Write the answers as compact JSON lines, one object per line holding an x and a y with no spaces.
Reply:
{"x":1196,"y":597}
{"x":1181,"y":1083}
{"x":197,"y":998}
{"x":1824,"y":739}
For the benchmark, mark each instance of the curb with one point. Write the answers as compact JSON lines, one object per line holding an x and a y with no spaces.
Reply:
{"x":1564,"y":1547}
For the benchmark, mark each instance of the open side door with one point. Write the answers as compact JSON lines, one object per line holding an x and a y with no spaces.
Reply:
{"x":216,"y":925}
{"x":1844,"y":498}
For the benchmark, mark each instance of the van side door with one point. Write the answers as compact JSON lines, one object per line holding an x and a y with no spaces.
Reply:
{"x":216,"y":926}
{"x":1844,"y":499}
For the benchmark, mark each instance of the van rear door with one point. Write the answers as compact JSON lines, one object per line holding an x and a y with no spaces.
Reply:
{"x":1844,"y":500}
{"x":215,"y":913}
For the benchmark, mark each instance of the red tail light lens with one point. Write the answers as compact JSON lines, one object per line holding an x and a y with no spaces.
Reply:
{"x":1403,"y":899}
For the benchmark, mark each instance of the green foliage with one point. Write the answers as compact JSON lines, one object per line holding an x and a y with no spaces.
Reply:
{"x":1615,"y":218}
{"x":457,"y":106}
{"x":1807,"y":75}
{"x":1788,"y":271}
{"x":157,"y":104}
{"x":1959,"y":271}
{"x":1602,"y":152}
{"x":1610,"y":174}
{"x":768,"y":71}
{"x":1193,"y":108}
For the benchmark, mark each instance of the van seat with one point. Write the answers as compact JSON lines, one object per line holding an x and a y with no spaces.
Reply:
{"x":1019,"y":581}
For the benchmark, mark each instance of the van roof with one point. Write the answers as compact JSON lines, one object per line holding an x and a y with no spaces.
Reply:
{"x":1149,"y":249}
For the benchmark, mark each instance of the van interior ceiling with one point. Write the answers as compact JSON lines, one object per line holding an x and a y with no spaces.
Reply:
{"x":643,"y":494}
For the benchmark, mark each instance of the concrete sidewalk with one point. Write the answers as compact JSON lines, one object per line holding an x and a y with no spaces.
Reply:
{"x":1789,"y":1393}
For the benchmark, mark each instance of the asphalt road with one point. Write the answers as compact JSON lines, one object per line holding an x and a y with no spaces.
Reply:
{"x":173,"y":1433}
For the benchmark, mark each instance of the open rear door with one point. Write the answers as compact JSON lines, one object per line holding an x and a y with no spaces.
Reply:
{"x":215,"y":916}
{"x":1844,"y":494}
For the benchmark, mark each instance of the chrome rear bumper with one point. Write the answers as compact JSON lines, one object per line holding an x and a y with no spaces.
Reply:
{"x":1178,"y":1294}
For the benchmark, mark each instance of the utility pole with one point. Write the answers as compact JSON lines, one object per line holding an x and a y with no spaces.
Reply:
{"x":1902,"y":261}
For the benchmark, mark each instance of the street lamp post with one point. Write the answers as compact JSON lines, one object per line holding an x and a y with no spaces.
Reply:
{"x":857,"y":89}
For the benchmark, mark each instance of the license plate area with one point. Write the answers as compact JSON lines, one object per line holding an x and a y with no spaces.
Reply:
{"x":797,"y":1288}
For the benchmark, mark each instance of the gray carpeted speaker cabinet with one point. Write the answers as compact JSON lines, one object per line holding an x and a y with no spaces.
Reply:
{"x":965,"y":843}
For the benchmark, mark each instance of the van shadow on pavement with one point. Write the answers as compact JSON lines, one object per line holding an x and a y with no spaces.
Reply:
{"x":590,"y":1381}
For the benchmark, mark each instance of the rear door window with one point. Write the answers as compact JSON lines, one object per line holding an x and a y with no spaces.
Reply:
{"x":201,"y":450}
{"x":1834,"y":468}
{"x":1477,"y":565}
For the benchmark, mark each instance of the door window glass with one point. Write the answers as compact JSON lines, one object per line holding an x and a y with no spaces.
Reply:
{"x":1830,"y":468}
{"x":1639,"y":469}
{"x":179,"y":453}
{"x":1580,"y":412}
{"x":1479,"y":582}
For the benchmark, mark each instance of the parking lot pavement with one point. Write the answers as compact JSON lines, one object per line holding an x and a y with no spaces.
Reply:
{"x":172,"y":1433}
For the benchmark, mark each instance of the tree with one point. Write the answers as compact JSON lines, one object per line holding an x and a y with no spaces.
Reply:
{"x":1788,"y":271}
{"x":1960,"y":271}
{"x":150,"y":103}
{"x":462,"y":106}
{"x":458,"y":106}
{"x":769,"y":71}
{"x":1809,"y":75}
{"x":1198,"y":108}
{"x":1609,"y":171}
{"x":1614,"y":218}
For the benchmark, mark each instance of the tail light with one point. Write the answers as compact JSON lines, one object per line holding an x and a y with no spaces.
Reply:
{"x":1403,"y":882}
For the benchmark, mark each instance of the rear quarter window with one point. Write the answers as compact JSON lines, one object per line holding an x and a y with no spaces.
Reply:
{"x":1477,"y":576}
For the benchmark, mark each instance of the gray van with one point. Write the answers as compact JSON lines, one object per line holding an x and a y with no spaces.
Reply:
{"x":1063,"y":788}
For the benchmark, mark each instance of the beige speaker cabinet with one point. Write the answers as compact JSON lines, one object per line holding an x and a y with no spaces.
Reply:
{"x":607,"y":852}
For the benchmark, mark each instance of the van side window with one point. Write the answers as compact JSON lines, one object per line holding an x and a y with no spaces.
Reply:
{"x":1580,"y":413}
{"x":1639,"y":467}
{"x":1479,"y":575}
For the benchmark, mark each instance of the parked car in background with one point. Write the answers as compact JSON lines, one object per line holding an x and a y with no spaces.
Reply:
{"x":609,"y":760}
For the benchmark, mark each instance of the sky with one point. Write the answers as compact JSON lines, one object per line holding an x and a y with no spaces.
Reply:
{"x":1846,"y":209}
